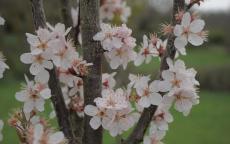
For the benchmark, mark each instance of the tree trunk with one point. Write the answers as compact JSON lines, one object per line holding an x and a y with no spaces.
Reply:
{"x":89,"y":11}
{"x":138,"y":133}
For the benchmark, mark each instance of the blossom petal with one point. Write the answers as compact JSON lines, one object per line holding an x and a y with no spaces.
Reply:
{"x":95,"y":122}
{"x":197,"y":26}
{"x":186,"y":20}
{"x":178,"y":30}
{"x":155,"y":99}
{"x":26,"y":58}
{"x":195,"y":39}
{"x":56,"y":138}
{"x":91,"y":110}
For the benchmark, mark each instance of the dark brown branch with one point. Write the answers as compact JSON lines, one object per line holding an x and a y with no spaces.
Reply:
{"x":89,"y":13}
{"x":54,"y":84}
{"x":137,"y":134}
{"x":66,"y":14}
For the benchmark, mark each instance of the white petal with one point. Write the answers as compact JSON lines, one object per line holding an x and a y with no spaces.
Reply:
{"x":28,"y":107}
{"x":180,"y":42}
{"x":155,"y":99}
{"x":56,"y":138}
{"x":35,"y":68}
{"x":46,"y":93}
{"x":197,"y":26}
{"x":42,"y":76}
{"x":26,"y":58}
{"x":178,"y":30}
{"x":91,"y":110}
{"x":144,"y":102}
{"x":95,"y":122}
{"x":186,"y":20}
{"x":38,"y":131}
{"x":195,"y":39}
{"x":48,"y":65}
{"x":139,"y":60}
{"x":39,"y":104}
{"x":21,"y":96}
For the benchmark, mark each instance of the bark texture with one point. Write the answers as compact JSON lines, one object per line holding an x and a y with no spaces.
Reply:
{"x":138,"y":133}
{"x":54,"y":84}
{"x":89,"y":13}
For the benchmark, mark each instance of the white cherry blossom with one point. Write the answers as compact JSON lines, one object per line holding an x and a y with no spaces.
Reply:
{"x":98,"y":116}
{"x":149,"y":95}
{"x":64,"y":52}
{"x":33,"y":95}
{"x":3,"y":65}
{"x":188,"y":31}
{"x":121,"y":121}
{"x":110,"y":99}
{"x":155,"y":136}
{"x":41,"y":134}
{"x":38,"y":62}
{"x":138,"y":81}
{"x":118,"y":44}
{"x":58,"y":31}
{"x":162,"y":117}
{"x":40,"y":43}
{"x":184,"y":99}
{"x":146,"y":53}
{"x":108,"y":81}
{"x":110,"y":8}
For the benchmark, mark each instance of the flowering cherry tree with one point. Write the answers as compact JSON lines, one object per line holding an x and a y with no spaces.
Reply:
{"x":84,"y":100}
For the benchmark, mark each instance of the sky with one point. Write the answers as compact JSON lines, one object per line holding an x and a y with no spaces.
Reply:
{"x":206,"y":6}
{"x":215,"y":5}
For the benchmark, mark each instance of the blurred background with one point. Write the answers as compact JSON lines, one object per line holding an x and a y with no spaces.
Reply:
{"x":209,"y":122}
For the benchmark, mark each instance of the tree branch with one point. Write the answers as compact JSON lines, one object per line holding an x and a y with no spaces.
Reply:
{"x":89,"y":13}
{"x":139,"y":131}
{"x":54,"y":84}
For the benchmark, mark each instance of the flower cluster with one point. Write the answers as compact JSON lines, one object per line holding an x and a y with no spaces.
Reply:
{"x":50,"y":47}
{"x":153,"y":47}
{"x":33,"y":129}
{"x":33,"y":95}
{"x":113,"y":111}
{"x":118,"y":44}
{"x":111,"y":8}
{"x":189,"y":30}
